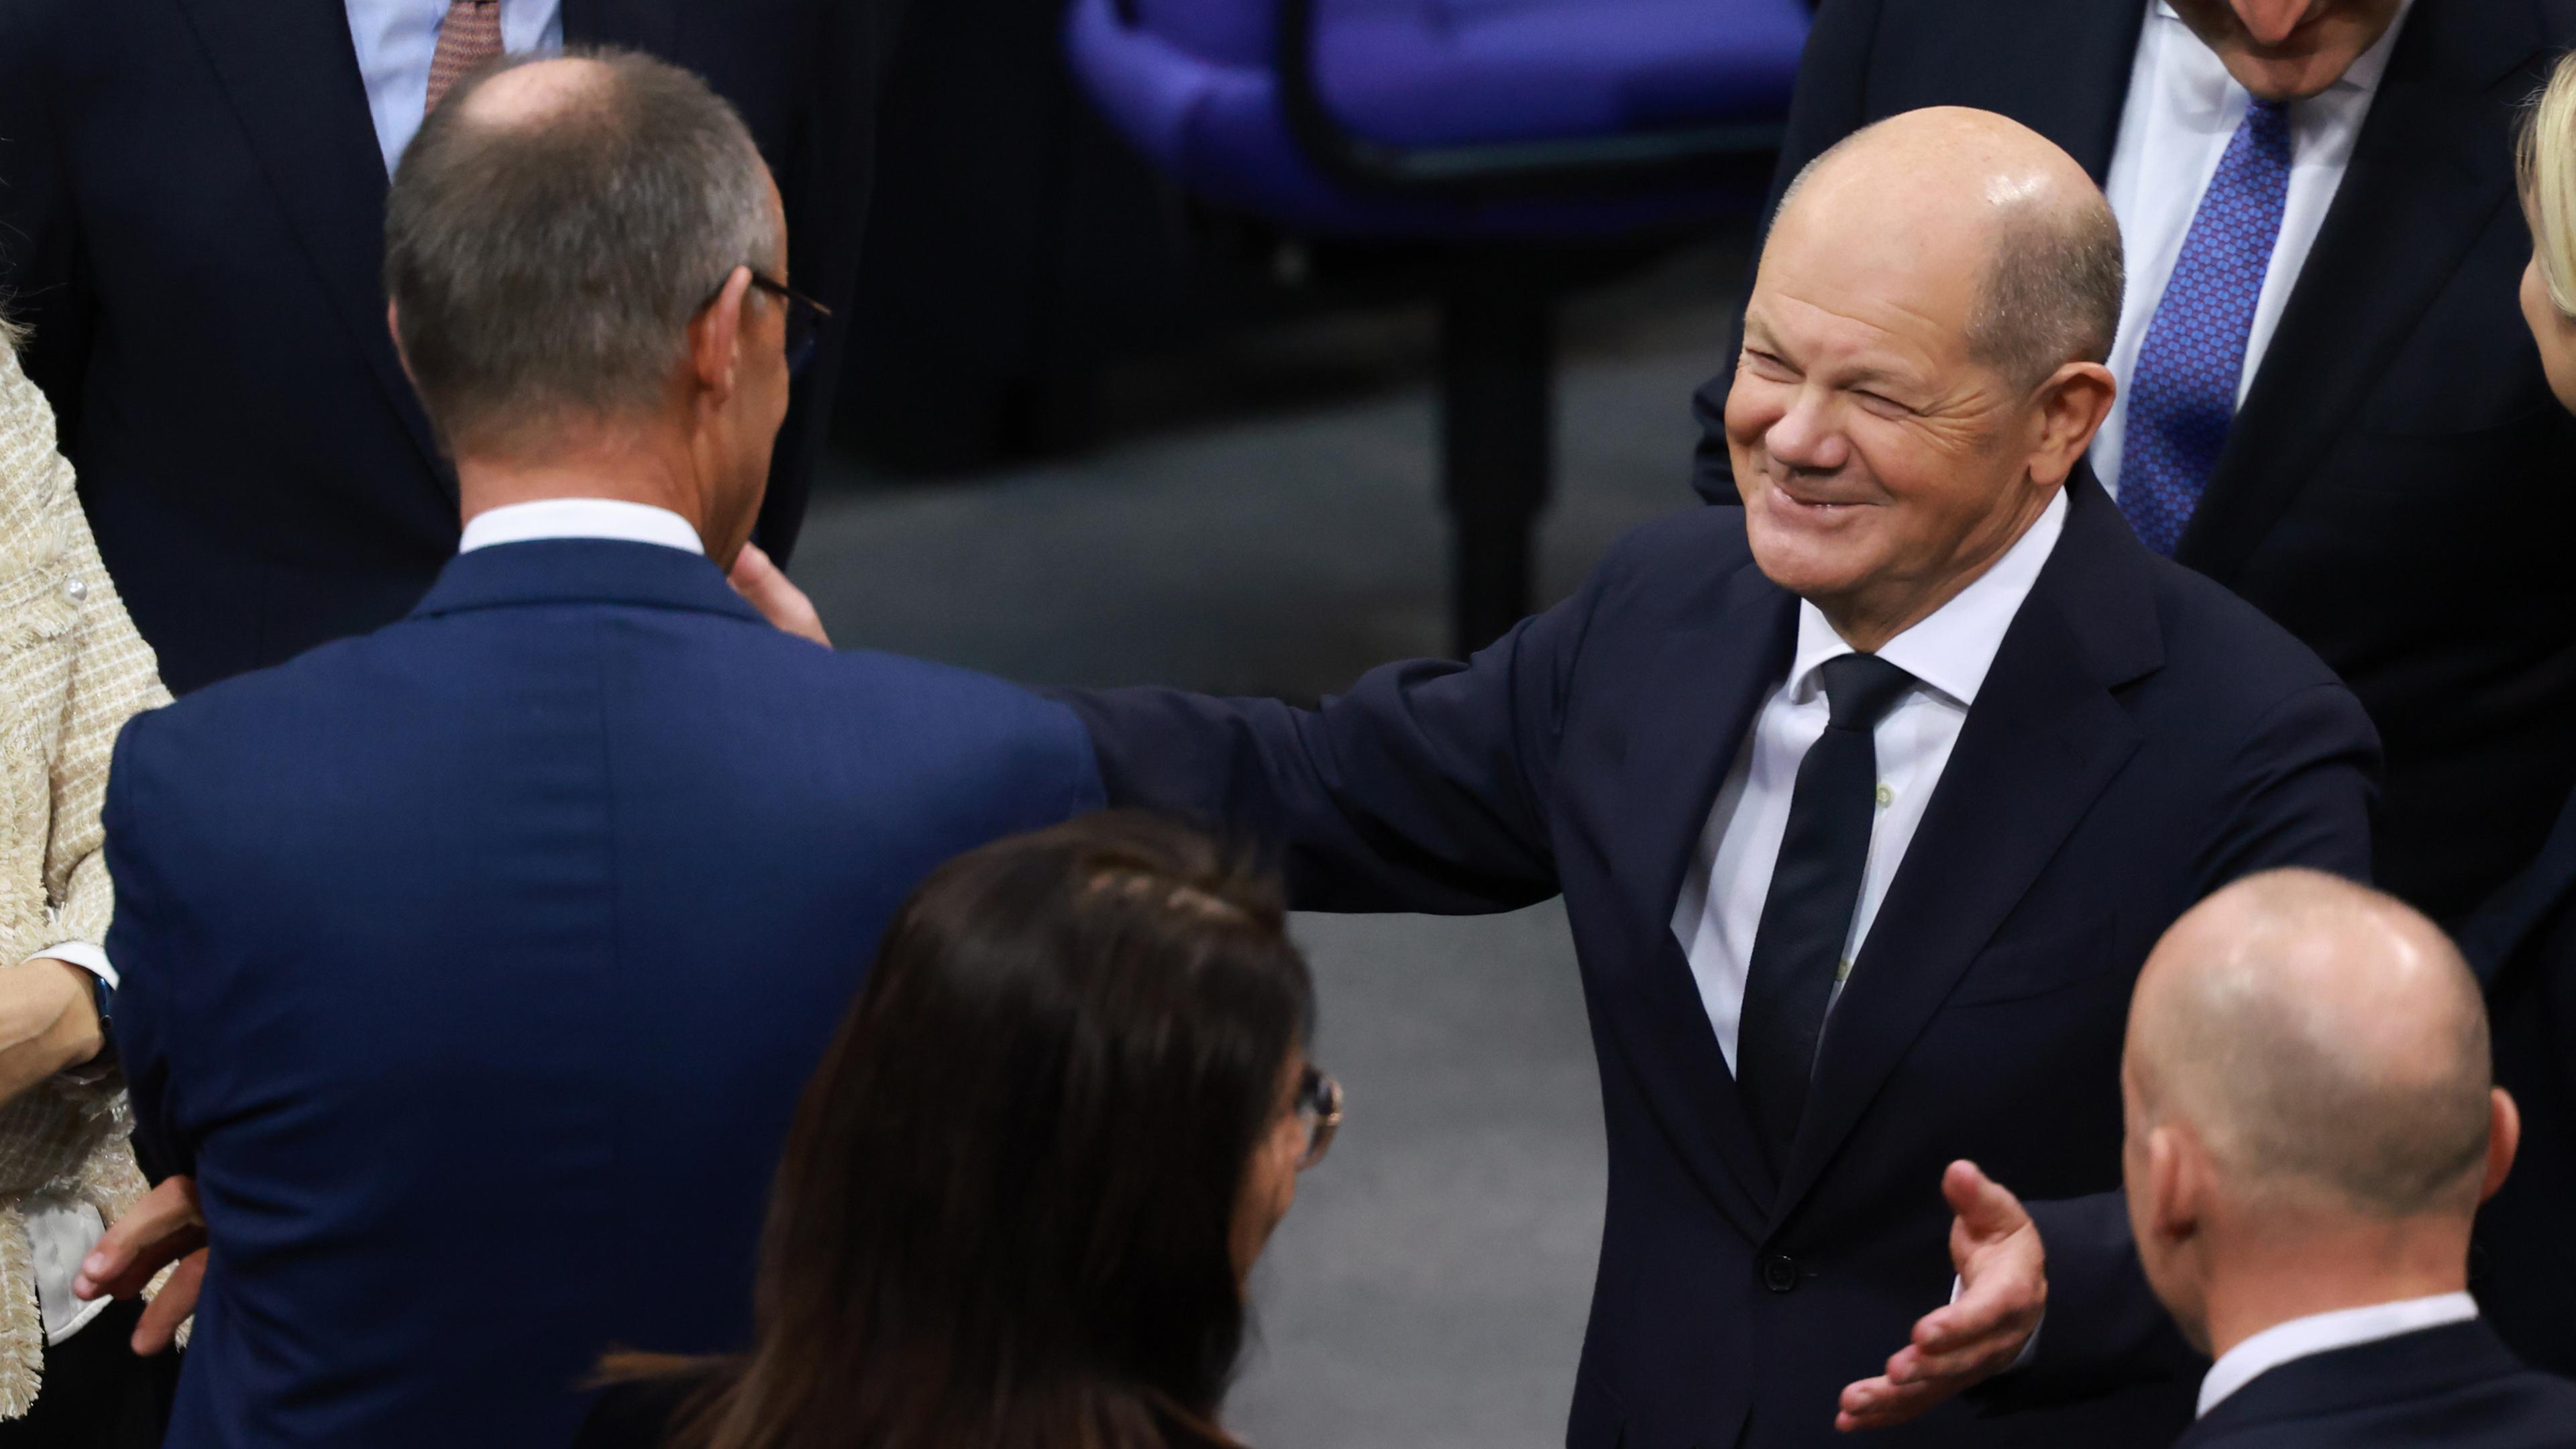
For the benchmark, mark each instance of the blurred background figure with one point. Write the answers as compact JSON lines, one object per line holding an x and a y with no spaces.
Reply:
{"x":1024,"y":1194}
{"x":2318,"y":359}
{"x":72,"y":670}
{"x":472,"y":967}
{"x":2523,"y":946}
{"x":2311,"y":1126}
{"x":192,"y":224}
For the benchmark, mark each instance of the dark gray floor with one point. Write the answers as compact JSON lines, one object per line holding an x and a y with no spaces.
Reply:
{"x":1430,"y":1288}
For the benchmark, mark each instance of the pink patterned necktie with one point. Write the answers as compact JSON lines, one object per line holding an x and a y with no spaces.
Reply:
{"x":471,"y":36}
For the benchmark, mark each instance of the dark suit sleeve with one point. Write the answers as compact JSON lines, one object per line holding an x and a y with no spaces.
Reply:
{"x":139,"y":942}
{"x":1830,"y":102}
{"x":1423,"y":789}
{"x":40,"y":275}
{"x":2104,"y":1328}
{"x":2300,"y":795}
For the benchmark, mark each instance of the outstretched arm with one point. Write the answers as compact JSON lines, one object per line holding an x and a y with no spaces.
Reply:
{"x":1426,"y":788}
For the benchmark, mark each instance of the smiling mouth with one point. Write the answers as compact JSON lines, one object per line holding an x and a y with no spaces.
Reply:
{"x":1818,"y":505}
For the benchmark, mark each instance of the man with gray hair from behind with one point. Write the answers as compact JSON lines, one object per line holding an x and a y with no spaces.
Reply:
{"x":2312,"y":1124}
{"x":472,"y":968}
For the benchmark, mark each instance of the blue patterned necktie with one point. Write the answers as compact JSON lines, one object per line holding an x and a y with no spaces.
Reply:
{"x":2183,"y":395}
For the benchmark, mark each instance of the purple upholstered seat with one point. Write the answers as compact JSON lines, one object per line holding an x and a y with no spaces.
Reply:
{"x":1193,"y":82}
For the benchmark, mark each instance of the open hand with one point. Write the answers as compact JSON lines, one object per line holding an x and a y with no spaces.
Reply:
{"x":760,"y":580}
{"x":162,"y":1228}
{"x":2003,"y":1287}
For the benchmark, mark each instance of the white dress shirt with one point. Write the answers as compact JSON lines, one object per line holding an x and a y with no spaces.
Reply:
{"x":2182,"y":111}
{"x":2324,"y":1333}
{"x":610,"y":518}
{"x":397,"y":40}
{"x":1948,"y":653}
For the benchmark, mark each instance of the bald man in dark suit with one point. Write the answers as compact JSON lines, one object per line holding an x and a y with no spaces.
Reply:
{"x":2375,"y":406}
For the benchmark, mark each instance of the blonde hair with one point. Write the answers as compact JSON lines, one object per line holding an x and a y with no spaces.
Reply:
{"x":2545,"y":165}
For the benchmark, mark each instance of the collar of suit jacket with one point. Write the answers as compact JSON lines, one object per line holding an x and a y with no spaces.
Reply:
{"x":2427,"y":1362}
{"x":583,"y":571}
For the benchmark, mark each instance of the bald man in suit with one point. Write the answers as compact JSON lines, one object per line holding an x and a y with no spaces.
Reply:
{"x":2312,"y":1124}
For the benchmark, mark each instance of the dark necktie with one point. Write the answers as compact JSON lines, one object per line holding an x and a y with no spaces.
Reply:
{"x":2182,"y":397}
{"x":1815,"y":888}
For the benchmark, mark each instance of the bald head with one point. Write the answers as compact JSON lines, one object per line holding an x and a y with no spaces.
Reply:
{"x":2324,"y":1042}
{"x":1995,"y":195}
{"x":538,"y":91}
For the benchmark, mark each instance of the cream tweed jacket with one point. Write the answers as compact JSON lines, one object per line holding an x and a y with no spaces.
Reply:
{"x":72,"y":671}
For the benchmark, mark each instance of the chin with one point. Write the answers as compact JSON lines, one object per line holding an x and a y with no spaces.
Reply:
{"x":2293,"y":77}
{"x":1810,"y":567}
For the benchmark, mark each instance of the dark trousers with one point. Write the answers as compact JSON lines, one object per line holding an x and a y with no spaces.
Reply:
{"x":96,"y":1393}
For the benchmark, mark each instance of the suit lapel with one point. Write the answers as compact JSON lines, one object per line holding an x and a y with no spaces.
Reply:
{"x":291,"y":74}
{"x":2043,"y":739}
{"x":1698,"y":695}
{"x":2431,"y":167}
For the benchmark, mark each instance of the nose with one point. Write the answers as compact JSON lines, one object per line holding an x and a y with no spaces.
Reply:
{"x":1806,"y":437}
{"x":2271,"y":21}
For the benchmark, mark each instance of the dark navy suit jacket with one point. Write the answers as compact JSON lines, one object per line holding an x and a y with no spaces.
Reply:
{"x":2454,"y":1387}
{"x":2523,"y":947}
{"x":2401,"y":383}
{"x":474,"y":967}
{"x":2142,"y":738}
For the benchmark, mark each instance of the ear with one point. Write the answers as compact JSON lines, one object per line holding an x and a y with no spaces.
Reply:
{"x":2504,"y":1134}
{"x":2175,"y":1186}
{"x":715,"y":337}
{"x":2072,"y":404}
{"x":393,"y":324}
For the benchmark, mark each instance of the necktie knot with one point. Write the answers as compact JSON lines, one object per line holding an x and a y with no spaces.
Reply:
{"x":2267,"y":125}
{"x":1860,"y":689}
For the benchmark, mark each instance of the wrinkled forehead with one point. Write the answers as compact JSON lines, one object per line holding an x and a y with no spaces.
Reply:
{"x":1838,"y":275}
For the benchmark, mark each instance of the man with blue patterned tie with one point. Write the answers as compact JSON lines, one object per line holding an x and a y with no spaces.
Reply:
{"x":2319,"y":349}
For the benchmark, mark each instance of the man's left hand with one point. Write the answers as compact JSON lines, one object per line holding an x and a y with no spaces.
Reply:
{"x":2003,"y":1287}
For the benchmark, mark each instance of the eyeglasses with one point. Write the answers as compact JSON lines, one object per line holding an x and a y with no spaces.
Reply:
{"x":1319,"y":1103}
{"x":805,"y":316}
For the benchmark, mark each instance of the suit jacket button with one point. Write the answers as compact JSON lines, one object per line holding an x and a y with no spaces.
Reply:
{"x":1779,"y":1272}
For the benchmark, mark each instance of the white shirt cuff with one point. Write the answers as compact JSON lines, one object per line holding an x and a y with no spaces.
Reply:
{"x":87,"y":957}
{"x":2021,"y":1360}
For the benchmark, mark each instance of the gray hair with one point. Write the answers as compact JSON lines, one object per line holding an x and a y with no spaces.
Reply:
{"x":549,"y":265}
{"x":2053,"y":286}
{"x":2051,"y":293}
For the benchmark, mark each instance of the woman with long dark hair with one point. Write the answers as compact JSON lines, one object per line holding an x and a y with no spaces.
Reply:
{"x":1027,"y":1185}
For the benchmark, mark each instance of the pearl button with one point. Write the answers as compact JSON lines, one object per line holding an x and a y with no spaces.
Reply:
{"x":75,"y":590}
{"x":1886,"y":797}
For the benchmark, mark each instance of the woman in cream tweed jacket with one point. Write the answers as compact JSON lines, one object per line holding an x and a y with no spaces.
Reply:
{"x":72,"y":670}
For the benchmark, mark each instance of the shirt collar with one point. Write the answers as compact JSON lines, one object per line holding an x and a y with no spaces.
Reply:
{"x":2365,"y":71}
{"x":1951,"y":649}
{"x":2325,"y":1332}
{"x":611,"y":518}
